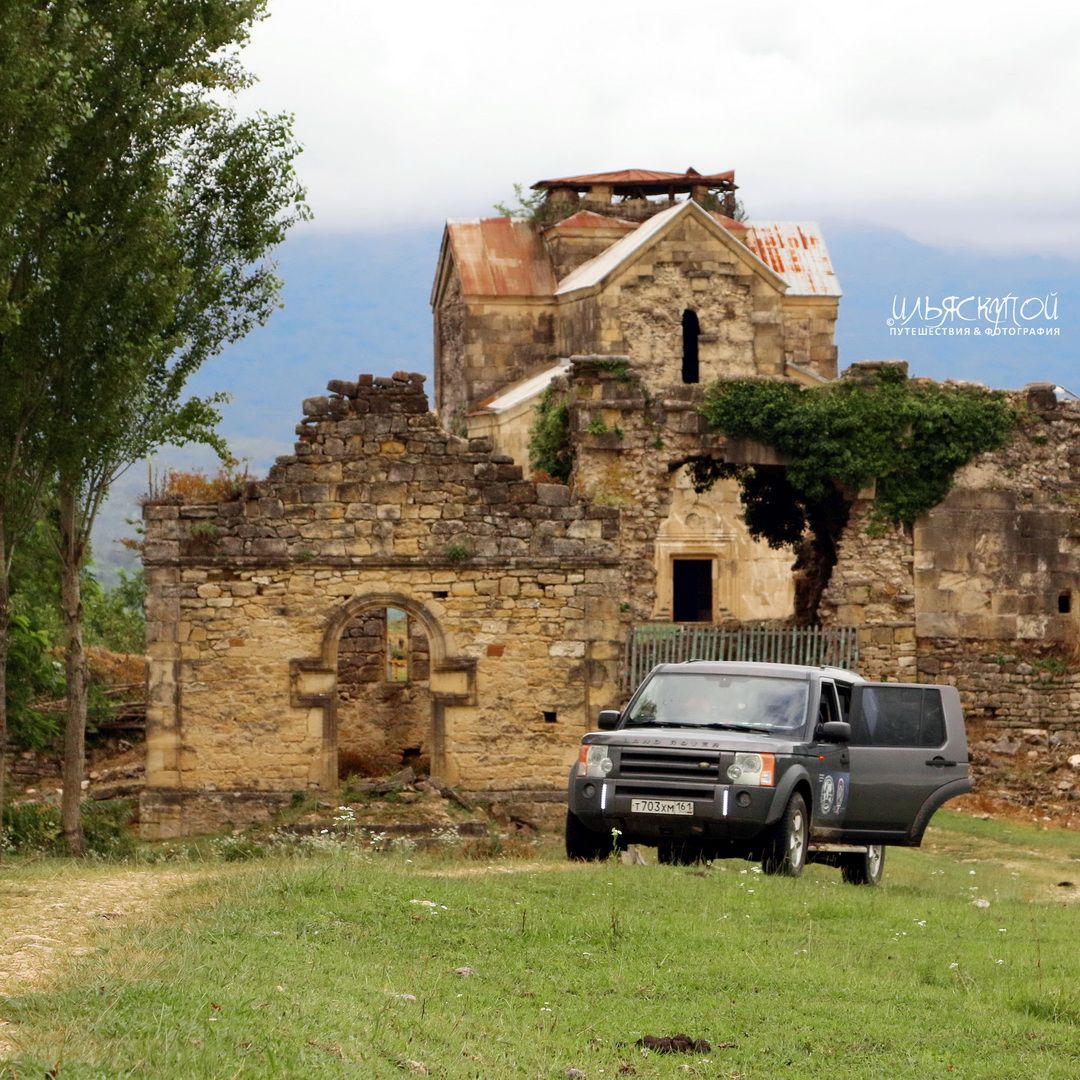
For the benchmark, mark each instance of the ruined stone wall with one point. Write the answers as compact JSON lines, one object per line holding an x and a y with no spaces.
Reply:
{"x":483,"y":343}
{"x":450,"y":353}
{"x":630,"y":448}
{"x":513,"y":584}
{"x":809,"y":332}
{"x":972,"y":595}
{"x":872,"y":587}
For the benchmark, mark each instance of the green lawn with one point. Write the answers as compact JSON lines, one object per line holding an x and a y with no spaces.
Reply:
{"x":327,"y":966}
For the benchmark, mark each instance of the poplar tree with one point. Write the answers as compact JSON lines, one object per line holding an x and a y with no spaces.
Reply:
{"x":167,"y":204}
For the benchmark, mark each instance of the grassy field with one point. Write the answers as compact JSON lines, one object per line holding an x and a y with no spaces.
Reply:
{"x":964,"y":963}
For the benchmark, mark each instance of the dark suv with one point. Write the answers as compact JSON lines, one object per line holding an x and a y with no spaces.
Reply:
{"x":777,"y":762}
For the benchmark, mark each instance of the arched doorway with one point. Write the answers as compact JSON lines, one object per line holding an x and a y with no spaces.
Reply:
{"x":383,"y":694}
{"x":451,"y":682}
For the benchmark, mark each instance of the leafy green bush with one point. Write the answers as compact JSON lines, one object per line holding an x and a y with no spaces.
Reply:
{"x":907,"y":437}
{"x":33,"y":673}
{"x":34,"y":828}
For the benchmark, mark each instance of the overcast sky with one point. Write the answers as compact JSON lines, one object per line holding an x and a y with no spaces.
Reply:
{"x":956,"y":123}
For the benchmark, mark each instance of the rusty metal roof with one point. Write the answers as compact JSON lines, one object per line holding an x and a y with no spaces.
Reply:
{"x":648,"y":179}
{"x":500,"y":257}
{"x":796,"y":251}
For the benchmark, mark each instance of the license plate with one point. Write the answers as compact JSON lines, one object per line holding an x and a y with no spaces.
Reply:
{"x":662,"y":806}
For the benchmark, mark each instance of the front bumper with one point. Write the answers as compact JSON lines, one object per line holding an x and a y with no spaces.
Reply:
{"x":722,"y":812}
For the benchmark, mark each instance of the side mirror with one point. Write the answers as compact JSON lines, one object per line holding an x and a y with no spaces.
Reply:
{"x":836,"y":731}
{"x":608,"y":719}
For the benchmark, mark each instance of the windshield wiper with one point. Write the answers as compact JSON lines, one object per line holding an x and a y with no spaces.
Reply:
{"x":736,"y":727}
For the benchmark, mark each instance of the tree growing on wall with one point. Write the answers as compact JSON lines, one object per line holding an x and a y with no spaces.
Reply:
{"x":164,"y":206}
{"x":906,"y":438}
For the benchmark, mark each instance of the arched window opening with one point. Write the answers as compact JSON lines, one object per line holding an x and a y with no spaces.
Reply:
{"x":691,"y":371}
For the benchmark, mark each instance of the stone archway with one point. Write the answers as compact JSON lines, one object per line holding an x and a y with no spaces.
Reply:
{"x":451,"y":685}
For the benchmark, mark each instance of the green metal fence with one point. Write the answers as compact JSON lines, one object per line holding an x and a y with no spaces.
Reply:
{"x":671,"y":643}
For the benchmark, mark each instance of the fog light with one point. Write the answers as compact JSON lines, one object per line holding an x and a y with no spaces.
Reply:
{"x":589,"y":790}
{"x":743,"y":798}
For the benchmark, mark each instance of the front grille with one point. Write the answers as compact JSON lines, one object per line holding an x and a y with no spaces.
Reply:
{"x":670,"y":765}
{"x":643,"y":789}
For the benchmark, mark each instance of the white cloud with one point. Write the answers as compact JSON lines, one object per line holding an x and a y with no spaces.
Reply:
{"x":953,"y":122}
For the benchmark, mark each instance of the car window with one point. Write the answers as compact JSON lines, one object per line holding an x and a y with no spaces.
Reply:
{"x":827,"y":709}
{"x":899,"y":716}
{"x":693,"y":699}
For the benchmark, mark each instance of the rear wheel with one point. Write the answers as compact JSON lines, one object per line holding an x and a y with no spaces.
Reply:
{"x":865,"y":868}
{"x":785,"y":852}
{"x":584,"y":845}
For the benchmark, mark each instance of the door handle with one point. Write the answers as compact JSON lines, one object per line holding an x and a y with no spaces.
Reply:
{"x":940,"y":763}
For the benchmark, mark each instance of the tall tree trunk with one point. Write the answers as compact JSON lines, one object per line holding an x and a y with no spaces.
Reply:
{"x":72,"y":545}
{"x":5,"y":626}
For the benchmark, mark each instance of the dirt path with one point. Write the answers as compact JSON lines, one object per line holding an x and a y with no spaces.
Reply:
{"x":45,"y":921}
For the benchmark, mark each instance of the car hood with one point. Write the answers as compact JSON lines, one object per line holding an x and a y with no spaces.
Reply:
{"x":699,"y":739}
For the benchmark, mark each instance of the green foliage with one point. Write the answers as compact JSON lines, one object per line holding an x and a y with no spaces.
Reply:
{"x":597,"y":427}
{"x":115,"y":618}
{"x":907,"y":437}
{"x":33,"y":673}
{"x":34,"y":828}
{"x":535,"y":207}
{"x":549,"y":438}
{"x":458,"y":551}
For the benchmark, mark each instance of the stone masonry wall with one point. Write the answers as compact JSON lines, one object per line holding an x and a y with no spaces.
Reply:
{"x":512,"y":582}
{"x":973,"y":595}
{"x":638,"y":313}
{"x":630,"y":446}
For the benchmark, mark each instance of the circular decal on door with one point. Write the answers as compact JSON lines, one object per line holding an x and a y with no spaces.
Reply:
{"x":840,"y":795}
{"x":828,"y":791}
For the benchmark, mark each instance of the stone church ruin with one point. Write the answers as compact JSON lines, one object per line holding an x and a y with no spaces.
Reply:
{"x":405,"y":589}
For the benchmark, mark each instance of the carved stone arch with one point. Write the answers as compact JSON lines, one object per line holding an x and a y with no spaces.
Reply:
{"x":313,"y":680}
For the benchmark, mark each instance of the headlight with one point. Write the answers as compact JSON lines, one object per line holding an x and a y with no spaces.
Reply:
{"x":594,"y":761}
{"x":753,"y":770}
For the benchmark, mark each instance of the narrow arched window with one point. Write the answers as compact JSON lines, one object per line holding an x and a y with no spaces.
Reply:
{"x":690,"y":330}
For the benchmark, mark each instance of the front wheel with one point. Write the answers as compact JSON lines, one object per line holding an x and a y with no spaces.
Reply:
{"x":865,"y":868}
{"x":584,"y":845}
{"x":785,"y":852}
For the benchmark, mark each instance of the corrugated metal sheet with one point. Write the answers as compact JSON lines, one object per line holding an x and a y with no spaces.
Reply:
{"x":516,"y":393}
{"x":500,"y":257}
{"x":796,"y":251}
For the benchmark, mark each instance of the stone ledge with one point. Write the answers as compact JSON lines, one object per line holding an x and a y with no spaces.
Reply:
{"x":386,"y":562}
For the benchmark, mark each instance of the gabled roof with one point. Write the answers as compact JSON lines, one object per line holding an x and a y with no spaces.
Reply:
{"x":499,"y":257}
{"x":623,"y":251}
{"x":589,"y":219}
{"x":796,"y":251}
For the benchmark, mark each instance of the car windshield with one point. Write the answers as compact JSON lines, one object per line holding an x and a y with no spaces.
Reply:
{"x":740,"y":702}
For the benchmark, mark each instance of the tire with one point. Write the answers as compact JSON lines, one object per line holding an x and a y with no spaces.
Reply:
{"x":674,"y":853}
{"x":865,"y":868}
{"x":584,"y":845}
{"x":785,"y":853}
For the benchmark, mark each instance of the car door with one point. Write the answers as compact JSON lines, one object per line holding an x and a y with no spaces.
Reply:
{"x":831,"y":774}
{"x":908,"y":755}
